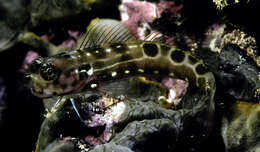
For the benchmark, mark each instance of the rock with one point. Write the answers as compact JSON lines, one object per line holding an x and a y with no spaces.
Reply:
{"x":61,"y":146}
{"x":111,"y":147}
{"x":141,"y":120}
{"x":62,"y":10}
{"x":240,"y":127}
{"x":10,"y":24}
{"x":2,"y":102}
{"x":237,"y":75}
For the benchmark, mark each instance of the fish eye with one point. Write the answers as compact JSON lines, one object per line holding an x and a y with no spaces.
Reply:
{"x":49,"y":72}
{"x":35,"y":65}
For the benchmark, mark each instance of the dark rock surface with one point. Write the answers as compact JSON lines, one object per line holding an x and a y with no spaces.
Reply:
{"x":43,"y":26}
{"x":236,"y":74}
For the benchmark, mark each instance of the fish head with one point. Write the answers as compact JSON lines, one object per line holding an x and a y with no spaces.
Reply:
{"x":52,"y":77}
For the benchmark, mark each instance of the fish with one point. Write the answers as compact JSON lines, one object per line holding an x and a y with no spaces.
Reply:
{"x":110,"y":52}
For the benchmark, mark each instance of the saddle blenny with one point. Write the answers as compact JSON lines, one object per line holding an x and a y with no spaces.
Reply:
{"x":110,"y":52}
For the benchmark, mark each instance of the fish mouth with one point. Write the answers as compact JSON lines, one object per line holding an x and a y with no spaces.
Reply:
{"x":40,"y":94}
{"x":46,"y":93}
{"x":36,"y":89}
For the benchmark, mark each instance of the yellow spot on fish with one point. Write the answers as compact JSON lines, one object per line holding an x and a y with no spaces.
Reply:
{"x":97,"y":51}
{"x":108,"y":50}
{"x":127,"y":71}
{"x":88,"y":54}
{"x":113,"y":74}
{"x":171,"y":74}
{"x":156,"y":72}
{"x":83,"y":71}
{"x":257,"y":93}
{"x":132,"y":46}
{"x":207,"y":86}
{"x":93,"y":85}
{"x":141,"y":70}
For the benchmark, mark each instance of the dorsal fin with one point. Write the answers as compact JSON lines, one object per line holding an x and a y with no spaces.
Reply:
{"x":159,"y":37}
{"x":153,"y":36}
{"x":104,"y":31}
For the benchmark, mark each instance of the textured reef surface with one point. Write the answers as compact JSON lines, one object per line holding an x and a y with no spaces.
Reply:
{"x":138,"y":113}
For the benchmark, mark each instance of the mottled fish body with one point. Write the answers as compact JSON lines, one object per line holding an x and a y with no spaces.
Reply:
{"x":114,"y":61}
{"x":115,"y":56}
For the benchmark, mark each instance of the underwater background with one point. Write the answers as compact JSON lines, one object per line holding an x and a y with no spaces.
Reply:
{"x":224,"y":34}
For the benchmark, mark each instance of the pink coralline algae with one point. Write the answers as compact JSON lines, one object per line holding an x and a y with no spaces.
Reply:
{"x":30,"y":56}
{"x":134,"y":13}
{"x":169,"y":7}
{"x":107,"y":119}
{"x":137,"y":15}
{"x":177,"y":88}
{"x":70,"y":43}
